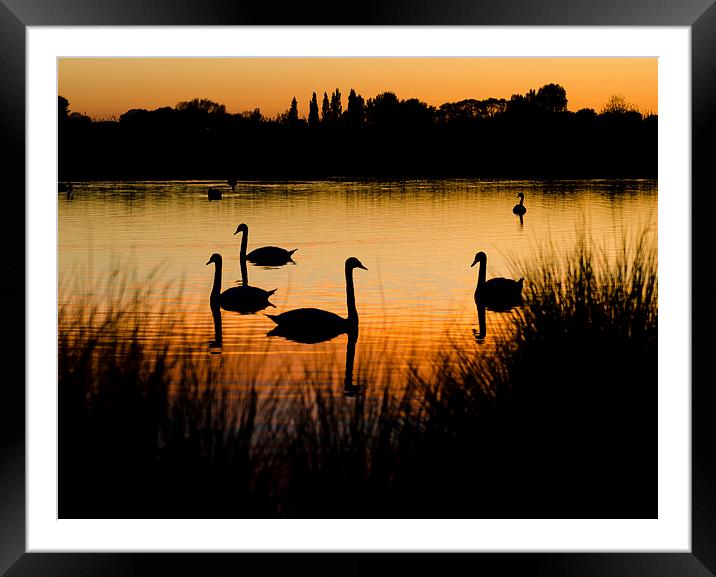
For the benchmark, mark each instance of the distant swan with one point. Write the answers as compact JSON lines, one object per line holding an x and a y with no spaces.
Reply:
{"x":214,"y":194}
{"x":266,"y":255}
{"x":496,"y":293}
{"x":310,"y":325}
{"x":520,"y":208}
{"x":243,"y":299}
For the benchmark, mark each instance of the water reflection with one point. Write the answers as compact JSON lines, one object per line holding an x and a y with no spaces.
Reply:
{"x":481,"y":331}
{"x":217,"y":343}
{"x":349,"y":388}
{"x":416,"y":233}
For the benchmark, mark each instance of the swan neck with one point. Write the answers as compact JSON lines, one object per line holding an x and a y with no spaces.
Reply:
{"x":351,"y":297}
{"x":244,"y":243}
{"x":216,"y":288}
{"x":522,"y":200}
{"x":244,"y":270}
{"x":481,"y":273}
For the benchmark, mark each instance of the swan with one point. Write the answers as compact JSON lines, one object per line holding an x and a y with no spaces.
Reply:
{"x":496,"y":293}
{"x":266,"y":255}
{"x":520,"y":208}
{"x":214,"y":194}
{"x":242,"y":299}
{"x":310,"y":325}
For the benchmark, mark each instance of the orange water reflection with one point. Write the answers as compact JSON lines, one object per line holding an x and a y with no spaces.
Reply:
{"x":417,"y":238}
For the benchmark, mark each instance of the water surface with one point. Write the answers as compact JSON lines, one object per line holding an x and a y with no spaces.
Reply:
{"x":417,"y":238}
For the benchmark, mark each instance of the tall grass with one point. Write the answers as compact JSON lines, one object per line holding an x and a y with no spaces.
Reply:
{"x":560,"y":421}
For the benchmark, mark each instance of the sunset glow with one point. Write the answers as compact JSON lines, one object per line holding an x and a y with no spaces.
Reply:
{"x":108,"y":87}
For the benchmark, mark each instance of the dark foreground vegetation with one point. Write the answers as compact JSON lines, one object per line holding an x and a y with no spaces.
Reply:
{"x":527,"y":136}
{"x":560,"y":422}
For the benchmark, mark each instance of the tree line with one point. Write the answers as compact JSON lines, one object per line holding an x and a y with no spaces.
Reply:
{"x":530,"y":135}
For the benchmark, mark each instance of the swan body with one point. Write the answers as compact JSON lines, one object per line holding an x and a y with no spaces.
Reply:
{"x":497,"y":293}
{"x":214,"y":194}
{"x":520,"y":208}
{"x":310,"y":325}
{"x":242,"y":299}
{"x":265,"y":255}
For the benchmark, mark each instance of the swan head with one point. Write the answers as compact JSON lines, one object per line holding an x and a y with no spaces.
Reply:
{"x":479,"y":257}
{"x":242,"y":228}
{"x":353,"y":262}
{"x":216,"y":258}
{"x":521,"y":195}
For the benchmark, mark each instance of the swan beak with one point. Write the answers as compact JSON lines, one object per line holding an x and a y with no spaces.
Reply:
{"x":209,"y":262}
{"x":361,"y":266}
{"x":474,"y":262}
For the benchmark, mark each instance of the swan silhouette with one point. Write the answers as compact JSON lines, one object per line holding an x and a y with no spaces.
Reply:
{"x":265,"y":255}
{"x":309,"y":325}
{"x":242,"y":299}
{"x":214,"y":194}
{"x":66,"y":187}
{"x":520,"y":208}
{"x":497,"y":293}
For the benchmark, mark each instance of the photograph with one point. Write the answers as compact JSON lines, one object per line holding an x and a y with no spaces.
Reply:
{"x":357,"y":287}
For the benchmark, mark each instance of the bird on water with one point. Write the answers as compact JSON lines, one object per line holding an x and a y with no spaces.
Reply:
{"x":497,"y":293}
{"x":311,"y":325}
{"x":265,"y":255}
{"x":243,"y":299}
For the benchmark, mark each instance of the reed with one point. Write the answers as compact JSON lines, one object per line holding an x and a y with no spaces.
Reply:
{"x":558,"y":421}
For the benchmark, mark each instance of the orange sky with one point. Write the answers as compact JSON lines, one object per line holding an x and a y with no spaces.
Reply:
{"x":106,"y":87}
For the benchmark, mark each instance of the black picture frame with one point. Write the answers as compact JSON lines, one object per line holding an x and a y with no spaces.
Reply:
{"x":17,"y":15}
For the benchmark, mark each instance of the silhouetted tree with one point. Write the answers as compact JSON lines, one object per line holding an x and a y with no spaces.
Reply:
{"x":529,"y":135}
{"x":135,"y":117}
{"x":336,"y":106}
{"x":313,"y":111}
{"x":551,"y":98}
{"x":254,"y":115}
{"x":201,"y":105}
{"x":292,"y":113}
{"x":617,"y":104}
{"x":382,"y":111}
{"x":415,"y":114}
{"x":355,"y":111}
{"x":325,"y":109}
{"x":63,"y":108}
{"x":79,"y":118}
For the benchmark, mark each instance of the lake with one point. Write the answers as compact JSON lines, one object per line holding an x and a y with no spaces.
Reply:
{"x":416,"y":238}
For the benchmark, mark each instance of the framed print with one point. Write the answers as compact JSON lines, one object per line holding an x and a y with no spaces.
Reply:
{"x":589,"y":479}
